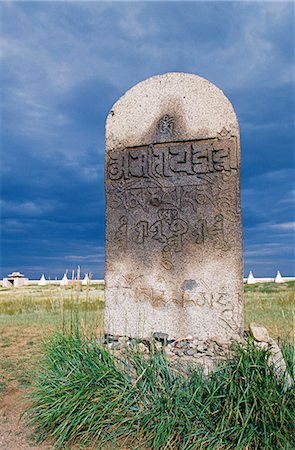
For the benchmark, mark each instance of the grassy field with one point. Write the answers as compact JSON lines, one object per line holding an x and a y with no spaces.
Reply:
{"x":29,"y":314}
{"x":271,"y":305}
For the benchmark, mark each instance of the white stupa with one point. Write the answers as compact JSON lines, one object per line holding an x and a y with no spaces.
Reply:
{"x":86,"y":280}
{"x":251,"y":279}
{"x":42,"y":281}
{"x":64,"y":281}
{"x":279,"y":278}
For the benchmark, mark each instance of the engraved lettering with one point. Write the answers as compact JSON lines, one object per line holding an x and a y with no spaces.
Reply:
{"x":201,"y":158}
{"x":121,"y":233}
{"x":141,"y":229}
{"x":200,"y":231}
{"x":165,"y":124}
{"x":160,"y":163}
{"x":179,"y":228}
{"x":167,"y":258}
{"x":135,"y":164}
{"x":168,"y":215}
{"x":157,"y":233}
{"x":135,"y":198}
{"x":116,"y":165}
{"x":174,"y":160}
{"x":181,"y":160}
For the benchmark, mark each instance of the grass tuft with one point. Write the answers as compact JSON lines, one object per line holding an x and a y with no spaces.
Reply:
{"x":84,"y":394}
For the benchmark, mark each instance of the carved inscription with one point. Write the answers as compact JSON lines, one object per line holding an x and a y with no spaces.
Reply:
{"x":121,"y":233}
{"x":166,"y":124}
{"x":175,"y":159}
{"x":215,"y":233}
{"x":165,"y":190}
{"x":170,"y":231}
{"x":228,"y":311}
{"x":219,"y":195}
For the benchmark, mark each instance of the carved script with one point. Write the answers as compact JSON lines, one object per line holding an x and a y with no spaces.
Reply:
{"x":228,"y":311}
{"x":173,"y":159}
{"x":156,"y":186}
{"x":165,"y":124}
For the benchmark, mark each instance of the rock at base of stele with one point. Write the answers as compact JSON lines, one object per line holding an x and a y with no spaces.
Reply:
{"x":209,"y":353}
{"x":259,"y":332}
{"x":186,"y":351}
{"x":276,"y":358}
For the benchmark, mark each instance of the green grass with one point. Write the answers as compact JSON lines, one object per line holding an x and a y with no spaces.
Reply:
{"x":288,"y":350}
{"x":27,"y":314}
{"x":88,"y":396}
{"x":271,"y":305}
{"x":270,"y":287}
{"x":50,"y":306}
{"x":83,"y":394}
{"x":49,"y":299}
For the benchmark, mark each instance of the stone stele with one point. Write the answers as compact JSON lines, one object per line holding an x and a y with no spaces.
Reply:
{"x":173,"y":217}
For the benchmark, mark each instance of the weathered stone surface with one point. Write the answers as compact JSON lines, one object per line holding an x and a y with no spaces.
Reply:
{"x":173,"y":221}
{"x":259,"y":332}
{"x":280,"y":368}
{"x":162,"y":337}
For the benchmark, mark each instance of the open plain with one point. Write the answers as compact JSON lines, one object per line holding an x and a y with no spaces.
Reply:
{"x":27,"y":315}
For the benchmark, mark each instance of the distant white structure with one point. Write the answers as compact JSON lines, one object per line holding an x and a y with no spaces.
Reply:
{"x":86,"y":280}
{"x":17,"y":279}
{"x":251,"y":279}
{"x":64,"y":281}
{"x":279,"y":278}
{"x":42,"y":281}
{"x":14,"y":279}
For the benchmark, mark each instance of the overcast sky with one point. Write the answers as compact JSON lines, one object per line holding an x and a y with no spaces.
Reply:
{"x":65,"y":64}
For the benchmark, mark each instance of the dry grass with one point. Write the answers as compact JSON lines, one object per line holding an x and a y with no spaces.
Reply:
{"x":28,"y":315}
{"x":271,"y":305}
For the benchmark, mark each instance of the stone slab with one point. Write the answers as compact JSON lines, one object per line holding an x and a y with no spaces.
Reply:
{"x":259,"y":332}
{"x":173,"y":218}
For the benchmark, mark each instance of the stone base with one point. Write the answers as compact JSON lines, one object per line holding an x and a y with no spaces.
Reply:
{"x":187,"y":351}
{"x":276,"y":359}
{"x":192,"y":352}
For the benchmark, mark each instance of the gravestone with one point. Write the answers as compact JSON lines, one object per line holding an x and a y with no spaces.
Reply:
{"x":173,"y":218}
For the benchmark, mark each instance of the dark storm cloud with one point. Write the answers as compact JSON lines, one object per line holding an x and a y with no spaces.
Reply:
{"x":65,"y":64}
